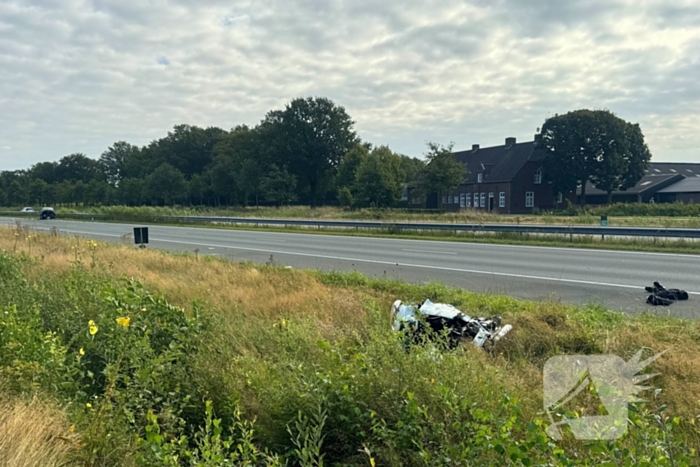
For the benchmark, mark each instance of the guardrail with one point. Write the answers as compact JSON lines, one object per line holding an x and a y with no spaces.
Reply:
{"x":567,"y":230}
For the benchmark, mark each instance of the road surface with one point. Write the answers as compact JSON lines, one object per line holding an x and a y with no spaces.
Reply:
{"x":614,"y":279}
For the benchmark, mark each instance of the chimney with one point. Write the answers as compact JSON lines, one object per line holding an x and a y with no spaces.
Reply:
{"x":510,"y":142}
{"x":475,"y":147}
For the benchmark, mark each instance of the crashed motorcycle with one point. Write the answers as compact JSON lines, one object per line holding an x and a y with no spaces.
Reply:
{"x":443,"y":318}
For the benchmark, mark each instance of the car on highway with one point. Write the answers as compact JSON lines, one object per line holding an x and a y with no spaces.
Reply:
{"x":47,"y":213}
{"x":27,"y":210}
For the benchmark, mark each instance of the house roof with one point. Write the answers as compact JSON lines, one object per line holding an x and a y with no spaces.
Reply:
{"x":498,"y":163}
{"x":687,"y":185}
{"x":665,"y":168}
{"x":647,"y":183}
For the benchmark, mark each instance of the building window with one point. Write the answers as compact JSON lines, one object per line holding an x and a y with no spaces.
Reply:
{"x":530,"y":199}
{"x":502,"y":199}
{"x":462,"y":200}
{"x":560,"y":198}
{"x":538,"y":177}
{"x":469,"y":200}
{"x":480,"y":178}
{"x":444,"y":200}
{"x":482,"y":199}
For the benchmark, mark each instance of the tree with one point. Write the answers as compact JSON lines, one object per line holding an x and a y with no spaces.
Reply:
{"x":310,"y":137}
{"x":189,"y":149}
{"x":380,"y":179}
{"x":279,"y":185}
{"x":114,"y":161}
{"x":197,"y":188}
{"x":442,"y":172}
{"x":78,"y":167}
{"x":592,"y":146}
{"x":166,"y":185}
{"x":412,"y":167}
{"x":46,"y":171}
{"x":347,"y":170}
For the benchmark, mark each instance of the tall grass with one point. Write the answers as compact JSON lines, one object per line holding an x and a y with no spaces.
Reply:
{"x":35,"y":433}
{"x":225,"y":363}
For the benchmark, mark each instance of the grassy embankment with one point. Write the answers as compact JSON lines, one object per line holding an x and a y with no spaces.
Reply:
{"x":623,"y":215}
{"x":96,"y":370}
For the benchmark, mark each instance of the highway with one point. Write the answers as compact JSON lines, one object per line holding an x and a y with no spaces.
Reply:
{"x":614,"y":279}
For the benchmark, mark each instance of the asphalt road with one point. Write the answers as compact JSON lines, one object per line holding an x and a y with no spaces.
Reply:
{"x":609,"y":278}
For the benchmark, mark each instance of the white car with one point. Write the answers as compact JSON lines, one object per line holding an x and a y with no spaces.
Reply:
{"x":27,"y":210}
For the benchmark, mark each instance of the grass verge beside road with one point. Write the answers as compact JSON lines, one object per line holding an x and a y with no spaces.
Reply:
{"x":142,"y":357}
{"x":621,"y":215}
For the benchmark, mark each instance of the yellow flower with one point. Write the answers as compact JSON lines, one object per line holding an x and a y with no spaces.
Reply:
{"x":82,"y":351}
{"x":284,"y":323}
{"x":72,"y":428}
{"x":88,"y":405}
{"x":93,"y":327}
{"x":371,"y":461}
{"x":124,"y":321}
{"x":143,"y":310}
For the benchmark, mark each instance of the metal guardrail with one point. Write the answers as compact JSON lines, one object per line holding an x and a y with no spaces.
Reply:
{"x":569,"y":230}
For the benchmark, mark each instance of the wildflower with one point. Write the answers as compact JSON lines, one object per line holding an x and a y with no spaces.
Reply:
{"x":81,"y":351}
{"x":124,"y":321}
{"x":88,"y":405}
{"x":284,"y":323}
{"x":371,"y":461}
{"x":143,"y":310}
{"x":93,"y":327}
{"x":72,"y":428}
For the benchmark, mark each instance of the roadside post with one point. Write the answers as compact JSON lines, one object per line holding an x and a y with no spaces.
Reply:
{"x":141,"y":236}
{"x":603,"y":223}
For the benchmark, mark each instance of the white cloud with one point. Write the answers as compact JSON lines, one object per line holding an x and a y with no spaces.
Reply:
{"x":79,"y":75}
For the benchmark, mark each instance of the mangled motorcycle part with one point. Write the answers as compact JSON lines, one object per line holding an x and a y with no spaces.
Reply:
{"x":441,"y":318}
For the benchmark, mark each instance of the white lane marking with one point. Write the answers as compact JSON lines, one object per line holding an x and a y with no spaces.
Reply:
{"x":423,"y":266}
{"x":572,"y":250}
{"x":432,"y":251}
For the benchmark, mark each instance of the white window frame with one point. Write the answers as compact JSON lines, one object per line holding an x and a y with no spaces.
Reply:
{"x":538,"y":177}
{"x":560,"y":198}
{"x":469,"y":200}
{"x":502,"y":199}
{"x":462,"y":200}
{"x":480,"y":178}
{"x":482,"y":200}
{"x":455,"y":199}
{"x":530,"y":199}
{"x":444,"y":200}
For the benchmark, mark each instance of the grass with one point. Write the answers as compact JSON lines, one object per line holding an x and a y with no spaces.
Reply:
{"x":296,"y":354}
{"x":661,"y":215}
{"x":35,"y":433}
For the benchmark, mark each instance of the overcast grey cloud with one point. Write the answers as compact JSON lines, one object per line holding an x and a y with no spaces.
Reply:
{"x":78,"y":75}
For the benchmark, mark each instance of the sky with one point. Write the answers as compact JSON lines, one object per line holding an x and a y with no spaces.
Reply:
{"x":79,"y":75}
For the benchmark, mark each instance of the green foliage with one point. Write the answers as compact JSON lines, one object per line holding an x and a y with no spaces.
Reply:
{"x":166,"y":185}
{"x":442,"y":172}
{"x":153,"y":384}
{"x":310,"y":136}
{"x":595,"y":146}
{"x":279,"y":186}
{"x":379,"y":180}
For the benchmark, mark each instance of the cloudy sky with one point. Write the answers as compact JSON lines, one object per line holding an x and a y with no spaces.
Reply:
{"x":78,"y":75}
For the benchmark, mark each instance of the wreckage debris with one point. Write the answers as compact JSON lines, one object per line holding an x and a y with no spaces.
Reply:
{"x":660,"y":296}
{"x":441,"y":318}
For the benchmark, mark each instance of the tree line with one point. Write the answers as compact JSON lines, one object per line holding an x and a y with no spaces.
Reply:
{"x":307,"y":153}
